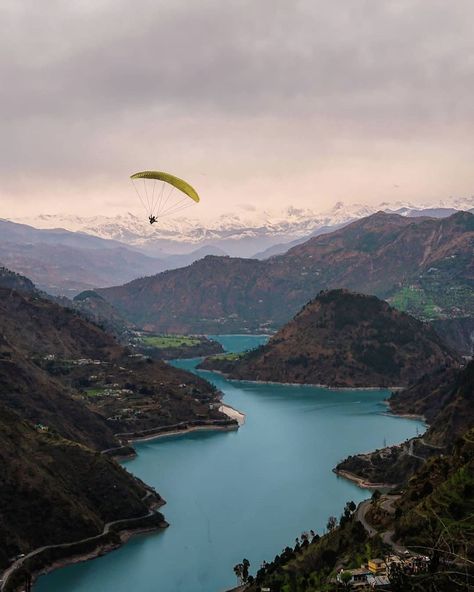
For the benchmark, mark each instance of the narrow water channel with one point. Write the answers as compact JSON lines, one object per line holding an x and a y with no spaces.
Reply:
{"x":241,"y":494}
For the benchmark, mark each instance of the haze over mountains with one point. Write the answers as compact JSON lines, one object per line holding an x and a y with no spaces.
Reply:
{"x":63,"y":262}
{"x":65,"y":255}
{"x":239,"y":233}
{"x":421,"y":265}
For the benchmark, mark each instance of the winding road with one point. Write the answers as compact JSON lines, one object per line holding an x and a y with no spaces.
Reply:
{"x":7,"y":574}
{"x":387,"y":504}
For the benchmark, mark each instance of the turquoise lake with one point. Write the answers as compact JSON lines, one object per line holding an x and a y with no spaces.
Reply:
{"x":239,"y":494}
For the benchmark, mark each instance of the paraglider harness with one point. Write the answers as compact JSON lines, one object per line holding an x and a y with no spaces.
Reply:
{"x":161,"y":202}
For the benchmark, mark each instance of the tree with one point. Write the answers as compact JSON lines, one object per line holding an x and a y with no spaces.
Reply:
{"x":238,"y":570}
{"x":245,"y":570}
{"x":346,"y":577}
{"x":241,"y":570}
{"x":332,"y":523}
{"x":376,"y":496}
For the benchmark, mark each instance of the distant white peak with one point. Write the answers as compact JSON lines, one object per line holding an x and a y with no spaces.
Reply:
{"x":284,"y":224}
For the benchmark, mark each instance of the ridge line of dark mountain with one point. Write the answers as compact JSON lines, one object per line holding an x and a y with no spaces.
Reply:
{"x":343,"y":339}
{"x":412,"y":262}
{"x":63,"y":262}
{"x":445,"y":399}
{"x":46,"y":349}
{"x":431,"y":515}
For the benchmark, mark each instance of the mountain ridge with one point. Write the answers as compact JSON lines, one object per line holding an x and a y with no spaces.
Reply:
{"x":410,"y":261}
{"x":62,"y":262}
{"x":237,"y":232}
{"x":343,"y":339}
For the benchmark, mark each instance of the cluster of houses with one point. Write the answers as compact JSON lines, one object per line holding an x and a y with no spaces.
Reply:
{"x":77,"y":362}
{"x":375,"y":575}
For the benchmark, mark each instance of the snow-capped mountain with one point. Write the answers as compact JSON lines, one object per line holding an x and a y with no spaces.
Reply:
{"x":242,"y":234}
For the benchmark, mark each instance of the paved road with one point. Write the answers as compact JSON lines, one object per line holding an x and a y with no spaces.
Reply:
{"x":19,"y":562}
{"x":387,"y":504}
{"x":361,"y":512}
{"x":411,"y":453}
{"x":387,"y":538}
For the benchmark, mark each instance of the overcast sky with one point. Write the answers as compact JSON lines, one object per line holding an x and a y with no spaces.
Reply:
{"x":262,"y":102}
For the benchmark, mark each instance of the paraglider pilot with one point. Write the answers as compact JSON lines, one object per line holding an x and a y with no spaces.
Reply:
{"x":163,"y":207}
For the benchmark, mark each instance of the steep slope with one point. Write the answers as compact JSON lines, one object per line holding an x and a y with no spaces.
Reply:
{"x":14,"y":281}
{"x":89,"y":304}
{"x":65,"y":372}
{"x":433,"y":516}
{"x":344,"y":339}
{"x":40,"y":326}
{"x":458,"y":333}
{"x":424,"y":266}
{"x":445,"y":398}
{"x":33,"y":393}
{"x":95,"y":308}
{"x":215,"y":293}
{"x":437,"y":507}
{"x":57,"y":491}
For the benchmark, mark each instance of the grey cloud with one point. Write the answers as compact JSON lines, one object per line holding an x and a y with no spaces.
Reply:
{"x":241,"y":56}
{"x":84,"y":78}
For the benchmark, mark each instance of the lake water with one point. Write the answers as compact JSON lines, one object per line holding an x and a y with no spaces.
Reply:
{"x":239,"y":494}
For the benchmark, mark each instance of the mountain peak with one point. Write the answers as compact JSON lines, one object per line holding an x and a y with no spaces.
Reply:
{"x":242,"y":232}
{"x":384,"y":254}
{"x":346,"y":339}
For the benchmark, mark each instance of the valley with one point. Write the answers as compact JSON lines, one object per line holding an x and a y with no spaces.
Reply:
{"x":237,"y":296}
{"x":215,"y":517}
{"x":88,"y":378}
{"x":385,"y":255}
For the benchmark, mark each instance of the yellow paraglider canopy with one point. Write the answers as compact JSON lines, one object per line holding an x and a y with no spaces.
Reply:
{"x":161,"y":200}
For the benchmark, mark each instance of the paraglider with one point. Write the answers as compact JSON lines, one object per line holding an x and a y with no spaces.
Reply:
{"x":162,"y":194}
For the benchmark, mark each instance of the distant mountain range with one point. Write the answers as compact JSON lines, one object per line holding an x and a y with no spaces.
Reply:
{"x":422,"y":265}
{"x":238,"y":233}
{"x":65,"y":255}
{"x":63,"y":262}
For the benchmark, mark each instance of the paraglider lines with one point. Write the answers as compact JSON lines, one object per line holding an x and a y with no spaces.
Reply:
{"x":140,"y":197}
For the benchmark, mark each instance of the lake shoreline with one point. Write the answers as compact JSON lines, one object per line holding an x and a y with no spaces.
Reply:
{"x":231,"y":412}
{"x":101,"y":547}
{"x":239,"y":418}
{"x":184,"y":432}
{"x":305,"y":384}
{"x":99,"y":551}
{"x":363,"y":483}
{"x":127,"y":534}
